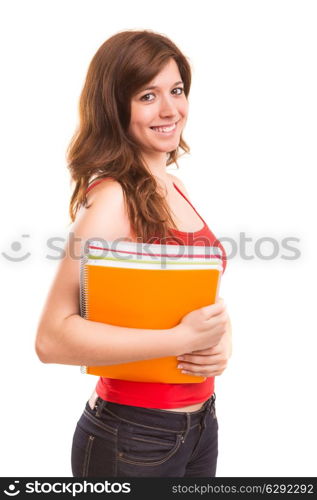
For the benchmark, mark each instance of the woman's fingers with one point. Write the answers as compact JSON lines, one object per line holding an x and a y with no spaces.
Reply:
{"x":191,"y":361}
{"x":207,"y":371}
{"x":213,"y":310}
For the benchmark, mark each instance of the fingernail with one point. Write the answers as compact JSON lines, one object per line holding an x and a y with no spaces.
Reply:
{"x":179,"y":366}
{"x":180,"y":358}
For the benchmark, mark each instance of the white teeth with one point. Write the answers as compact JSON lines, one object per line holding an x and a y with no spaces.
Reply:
{"x":165,"y":129}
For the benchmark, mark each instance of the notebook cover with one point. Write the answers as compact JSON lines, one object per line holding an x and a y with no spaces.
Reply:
{"x":146,"y":292}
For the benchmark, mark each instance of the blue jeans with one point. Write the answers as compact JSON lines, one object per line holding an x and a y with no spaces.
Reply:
{"x":115,"y":440}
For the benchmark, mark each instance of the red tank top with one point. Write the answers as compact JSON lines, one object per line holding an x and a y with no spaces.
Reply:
{"x":159,"y":395}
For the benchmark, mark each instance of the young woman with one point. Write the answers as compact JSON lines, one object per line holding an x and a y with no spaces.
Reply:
{"x":133,"y":109}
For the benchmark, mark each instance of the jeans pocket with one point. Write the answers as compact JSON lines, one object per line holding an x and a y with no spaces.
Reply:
{"x":105,"y":421}
{"x":81,"y":452}
{"x":142,"y":445}
{"x":94,"y":451}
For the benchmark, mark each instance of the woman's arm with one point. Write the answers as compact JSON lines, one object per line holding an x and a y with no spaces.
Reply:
{"x":82,"y":342}
{"x":63,"y":336}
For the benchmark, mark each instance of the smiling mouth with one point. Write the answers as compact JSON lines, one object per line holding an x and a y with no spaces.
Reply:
{"x":165,"y":129}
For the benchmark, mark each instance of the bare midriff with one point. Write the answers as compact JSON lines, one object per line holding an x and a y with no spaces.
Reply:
{"x":189,"y":408}
{"x":195,"y":407}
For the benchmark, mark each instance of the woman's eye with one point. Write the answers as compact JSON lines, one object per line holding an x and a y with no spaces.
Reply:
{"x":181,"y":89}
{"x":144,"y":98}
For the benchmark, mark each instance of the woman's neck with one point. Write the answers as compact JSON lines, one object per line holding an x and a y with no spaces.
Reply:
{"x":157,"y":166}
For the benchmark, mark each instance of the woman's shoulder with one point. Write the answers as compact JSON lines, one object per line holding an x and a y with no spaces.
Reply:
{"x":106,"y":186}
{"x":105,"y":212}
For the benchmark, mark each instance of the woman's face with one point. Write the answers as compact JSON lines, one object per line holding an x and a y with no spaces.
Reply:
{"x":163,"y":106}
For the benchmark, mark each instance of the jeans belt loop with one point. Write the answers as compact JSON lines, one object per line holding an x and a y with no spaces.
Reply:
{"x":212,"y":406}
{"x":183,"y":437}
{"x":209,"y":405}
{"x":100,"y":404}
{"x":212,"y":403}
{"x":209,"y":409}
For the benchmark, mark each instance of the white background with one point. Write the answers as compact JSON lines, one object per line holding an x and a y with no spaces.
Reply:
{"x":252,"y":132}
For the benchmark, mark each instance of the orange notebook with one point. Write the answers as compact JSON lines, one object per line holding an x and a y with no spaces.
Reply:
{"x":149,"y":286}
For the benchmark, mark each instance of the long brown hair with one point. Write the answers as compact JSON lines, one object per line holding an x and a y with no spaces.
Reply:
{"x":101,"y":146}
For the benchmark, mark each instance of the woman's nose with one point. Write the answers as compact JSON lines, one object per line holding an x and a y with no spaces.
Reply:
{"x":168,"y":106}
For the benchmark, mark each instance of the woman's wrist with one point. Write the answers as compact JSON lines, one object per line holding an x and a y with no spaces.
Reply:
{"x":182,"y":339}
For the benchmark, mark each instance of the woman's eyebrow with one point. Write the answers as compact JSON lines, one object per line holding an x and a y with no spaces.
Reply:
{"x":155,"y":86}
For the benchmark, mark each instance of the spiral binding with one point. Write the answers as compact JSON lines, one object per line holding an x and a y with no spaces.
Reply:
{"x":83,"y":287}
{"x":83,"y":299}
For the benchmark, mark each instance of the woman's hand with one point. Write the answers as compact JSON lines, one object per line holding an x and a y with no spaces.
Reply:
{"x":208,"y":362}
{"x":202,"y":328}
